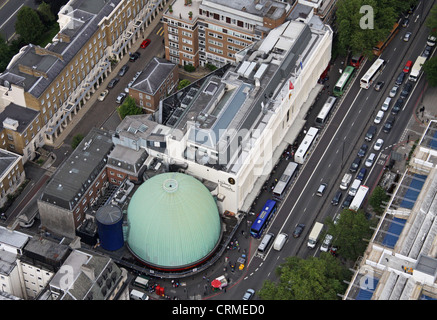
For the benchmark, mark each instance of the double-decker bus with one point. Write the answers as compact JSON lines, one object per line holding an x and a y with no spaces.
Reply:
{"x":381,"y":45}
{"x":284,"y":181}
{"x":326,"y":111}
{"x":344,"y":80}
{"x":304,"y":148}
{"x":263,"y":218}
{"x":371,"y":74}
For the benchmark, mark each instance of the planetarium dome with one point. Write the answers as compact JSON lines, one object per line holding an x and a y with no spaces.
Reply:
{"x":173,"y":222}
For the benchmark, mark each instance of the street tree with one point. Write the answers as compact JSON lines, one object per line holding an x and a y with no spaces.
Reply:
{"x":378,"y":199}
{"x":129,"y":108}
{"x":29,"y":25}
{"x":349,"y":233}
{"x":307,"y":279}
{"x":431,"y":21}
{"x":430,"y":70}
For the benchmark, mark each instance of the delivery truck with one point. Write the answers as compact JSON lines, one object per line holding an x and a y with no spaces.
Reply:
{"x":315,"y":234}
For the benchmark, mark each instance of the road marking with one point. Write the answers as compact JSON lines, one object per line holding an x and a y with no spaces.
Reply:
{"x":11,"y":16}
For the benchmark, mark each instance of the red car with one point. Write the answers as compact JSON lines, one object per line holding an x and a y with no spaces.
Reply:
{"x":145,"y":43}
{"x":408,"y":66}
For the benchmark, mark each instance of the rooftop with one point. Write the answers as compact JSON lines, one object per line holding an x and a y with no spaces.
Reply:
{"x":153,"y":76}
{"x":23,"y":116}
{"x":214,"y":111}
{"x":7,"y":160}
{"x":77,"y":172}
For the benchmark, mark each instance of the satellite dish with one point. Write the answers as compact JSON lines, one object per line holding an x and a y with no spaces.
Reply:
{"x":7,"y":84}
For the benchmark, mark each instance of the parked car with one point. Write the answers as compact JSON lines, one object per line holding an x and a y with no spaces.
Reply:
{"x":355,"y":164}
{"x":379,"y":85}
{"x":407,"y":66}
{"x":370,"y":159}
{"x":388,"y":124}
{"x":347,"y":201}
{"x":406,"y":90}
{"x":123,"y":70}
{"x":363,"y":150}
{"x":103,"y":95}
{"x":134,"y":56}
{"x":393,"y":91}
{"x":145,"y":43}
{"x":397,"y":107}
{"x":379,"y":117}
{"x":121,"y":97}
{"x":427,"y":52}
{"x":406,"y":22}
{"x":336,"y":200}
{"x":361,"y":174}
{"x":407,"y":36}
{"x":378,"y":144}
{"x":113,"y":82}
{"x":400,"y":79}
{"x":386,"y":104}
{"x":298,"y":230}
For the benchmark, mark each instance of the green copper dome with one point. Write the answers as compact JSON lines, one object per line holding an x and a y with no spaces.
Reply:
{"x":173,"y":222}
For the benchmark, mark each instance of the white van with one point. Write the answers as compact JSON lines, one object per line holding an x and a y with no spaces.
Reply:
{"x":265,"y":242}
{"x":354,"y":187}
{"x":386,"y":104}
{"x":138,"y":295}
{"x":280,"y":241}
{"x":345,"y":181}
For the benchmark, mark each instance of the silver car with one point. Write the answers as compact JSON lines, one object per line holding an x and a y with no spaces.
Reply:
{"x":393,"y":91}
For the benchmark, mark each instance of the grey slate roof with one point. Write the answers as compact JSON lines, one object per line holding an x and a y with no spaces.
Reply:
{"x":24,"y":116}
{"x":153,"y":75}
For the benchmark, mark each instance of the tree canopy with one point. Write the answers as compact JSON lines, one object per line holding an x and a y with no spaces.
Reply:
{"x":362,"y":23}
{"x":349,"y":233}
{"x":307,"y":279}
{"x":129,"y":108}
{"x":29,"y":25}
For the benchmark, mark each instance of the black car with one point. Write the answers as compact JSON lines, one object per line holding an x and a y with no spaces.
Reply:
{"x":427,"y":52}
{"x":370,"y":133}
{"x":406,"y":90}
{"x":123,"y":70}
{"x":298,"y":230}
{"x":388,"y":124}
{"x":400,"y":79}
{"x":113,"y":82}
{"x":354,"y":166}
{"x":347,"y":201}
{"x":363,"y":150}
{"x":134,"y":56}
{"x":336,"y":200}
{"x":379,"y":85}
{"x":361,"y":174}
{"x":397,"y":107}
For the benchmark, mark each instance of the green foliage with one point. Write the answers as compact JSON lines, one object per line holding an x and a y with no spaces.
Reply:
{"x":183,"y":83}
{"x":76,"y":140}
{"x":377,"y":199}
{"x":352,"y":38}
{"x":210,"y":67}
{"x":189,"y":68}
{"x":430,"y":69}
{"x":129,"y":108}
{"x":349,"y":233}
{"x":310,"y":279}
{"x":431,"y":21}
{"x":29,"y":25}
{"x":45,"y":14}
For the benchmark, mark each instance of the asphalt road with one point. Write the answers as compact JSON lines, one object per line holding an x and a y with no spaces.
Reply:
{"x":336,"y":150}
{"x":8,"y":15}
